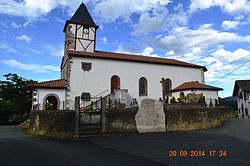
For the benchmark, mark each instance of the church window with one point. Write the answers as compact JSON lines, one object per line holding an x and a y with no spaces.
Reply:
{"x":86,"y":66}
{"x":143,"y":87}
{"x":85,"y":96}
{"x":115,"y":83}
{"x":168,"y":87}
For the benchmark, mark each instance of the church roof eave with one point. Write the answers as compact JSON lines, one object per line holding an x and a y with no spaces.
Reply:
{"x":195,"y":85}
{"x":132,"y":58}
{"x":52,"y":84}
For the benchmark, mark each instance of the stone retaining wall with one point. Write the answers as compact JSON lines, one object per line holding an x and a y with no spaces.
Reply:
{"x":53,"y":123}
{"x":121,"y":120}
{"x":178,"y":119}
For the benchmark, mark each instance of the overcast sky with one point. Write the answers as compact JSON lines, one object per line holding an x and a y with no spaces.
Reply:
{"x":213,"y":33}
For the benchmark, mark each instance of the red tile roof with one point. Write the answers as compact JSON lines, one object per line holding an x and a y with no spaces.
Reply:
{"x":132,"y":58}
{"x":57,"y":84}
{"x":195,"y":85}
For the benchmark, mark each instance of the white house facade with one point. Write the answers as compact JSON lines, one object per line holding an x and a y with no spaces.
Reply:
{"x":242,"y":91}
{"x":49,"y":95}
{"x":89,"y":73}
{"x":209,"y":92}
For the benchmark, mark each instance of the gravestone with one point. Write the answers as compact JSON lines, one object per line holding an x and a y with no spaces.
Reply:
{"x":193,"y":98}
{"x":150,"y":117}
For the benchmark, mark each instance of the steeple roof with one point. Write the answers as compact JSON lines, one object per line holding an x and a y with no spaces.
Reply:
{"x":81,"y":16}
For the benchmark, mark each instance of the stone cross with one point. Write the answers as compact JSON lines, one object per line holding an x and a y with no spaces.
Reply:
{"x":163,"y":82}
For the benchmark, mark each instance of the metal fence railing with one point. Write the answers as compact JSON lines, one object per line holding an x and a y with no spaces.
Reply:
{"x":92,"y":105}
{"x":69,"y":105}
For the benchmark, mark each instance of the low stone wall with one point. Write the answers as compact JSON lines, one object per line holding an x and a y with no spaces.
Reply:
{"x":121,"y":120}
{"x":62,"y":123}
{"x":53,"y":123}
{"x":179,"y":119}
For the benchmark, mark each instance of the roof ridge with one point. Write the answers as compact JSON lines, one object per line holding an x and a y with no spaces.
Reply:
{"x":50,"y":81}
{"x":59,"y":83}
{"x":133,"y":57}
{"x":195,"y":85}
{"x":142,"y":55}
{"x":242,"y":80}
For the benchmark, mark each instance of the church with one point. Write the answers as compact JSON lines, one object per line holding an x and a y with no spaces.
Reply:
{"x":124,"y":78}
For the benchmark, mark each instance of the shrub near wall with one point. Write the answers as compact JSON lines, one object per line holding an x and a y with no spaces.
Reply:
{"x":196,"y":118}
{"x":121,"y":120}
{"x":53,"y":123}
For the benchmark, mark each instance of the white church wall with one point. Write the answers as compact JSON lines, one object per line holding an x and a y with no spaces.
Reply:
{"x":98,"y":79}
{"x":43,"y":93}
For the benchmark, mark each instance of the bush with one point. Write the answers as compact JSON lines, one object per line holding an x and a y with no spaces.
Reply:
{"x":183,"y":99}
{"x":11,"y":118}
{"x":201,"y":98}
{"x":6,"y":117}
{"x":235,"y":114}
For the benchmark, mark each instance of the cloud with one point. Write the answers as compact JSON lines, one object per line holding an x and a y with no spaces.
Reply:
{"x":150,"y":23}
{"x":196,"y":50}
{"x":222,"y":62}
{"x":228,"y":6}
{"x":182,"y":39}
{"x":170,"y":53}
{"x":148,"y":51}
{"x":131,"y":49}
{"x":25,"y":38}
{"x":230,"y":25}
{"x":32,"y":8}
{"x":239,"y":17}
{"x":128,"y":49}
{"x":59,"y":20}
{"x":111,"y":10}
{"x":55,"y":50}
{"x":58,"y":53}
{"x":104,"y":40}
{"x":15,"y":25}
{"x":219,"y":63}
{"x":7,"y":48}
{"x":229,"y":56}
{"x":159,"y":19}
{"x":33,"y":50}
{"x":36,"y":68}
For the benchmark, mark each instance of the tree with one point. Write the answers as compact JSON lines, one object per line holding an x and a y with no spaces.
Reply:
{"x":15,"y":97}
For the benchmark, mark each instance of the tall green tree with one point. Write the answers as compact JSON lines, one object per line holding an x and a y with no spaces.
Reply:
{"x":15,"y":95}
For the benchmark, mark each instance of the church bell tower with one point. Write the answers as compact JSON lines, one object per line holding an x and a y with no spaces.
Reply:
{"x":80,"y":31}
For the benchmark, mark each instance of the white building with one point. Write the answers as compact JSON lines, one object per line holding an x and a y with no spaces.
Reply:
{"x":209,"y":92}
{"x":126,"y":78}
{"x":242,"y":91}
